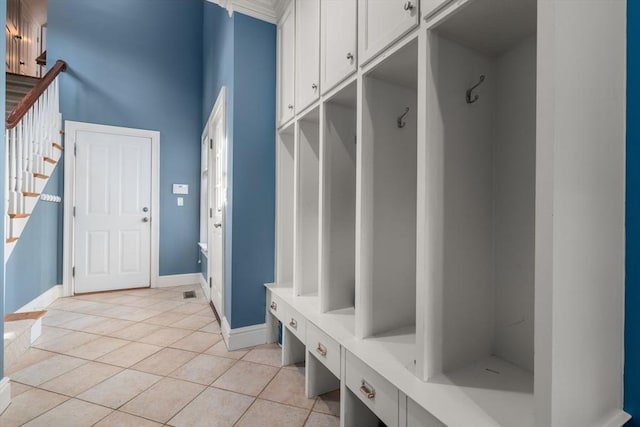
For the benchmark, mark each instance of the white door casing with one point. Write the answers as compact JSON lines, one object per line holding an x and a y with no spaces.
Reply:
{"x":110,"y":181}
{"x":204,"y":206}
{"x":216,"y":127}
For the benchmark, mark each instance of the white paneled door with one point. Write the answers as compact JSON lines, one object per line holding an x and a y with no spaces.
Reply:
{"x":217,"y":200}
{"x":112,"y":212}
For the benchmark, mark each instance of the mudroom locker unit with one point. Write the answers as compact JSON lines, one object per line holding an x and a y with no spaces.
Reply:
{"x":450,"y":209}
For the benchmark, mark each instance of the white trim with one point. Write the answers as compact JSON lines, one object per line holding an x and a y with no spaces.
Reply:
{"x":5,"y":393}
{"x":203,"y":283}
{"x":265,"y":10}
{"x":239,"y":338}
{"x":69,"y":195}
{"x":43,"y":300}
{"x":177,"y":280}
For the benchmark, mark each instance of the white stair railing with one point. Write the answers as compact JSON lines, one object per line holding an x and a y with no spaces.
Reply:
{"x":32,"y":149}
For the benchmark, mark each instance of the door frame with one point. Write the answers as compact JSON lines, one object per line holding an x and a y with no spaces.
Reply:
{"x":68,"y":242}
{"x":220,"y":107}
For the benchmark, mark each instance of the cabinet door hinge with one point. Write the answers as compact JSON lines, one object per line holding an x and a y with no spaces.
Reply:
{"x":75,"y":149}
{"x":73,"y":272}
{"x":210,"y":283}
{"x":211,"y":144}
{"x":74,"y":211}
{"x":210,"y":212}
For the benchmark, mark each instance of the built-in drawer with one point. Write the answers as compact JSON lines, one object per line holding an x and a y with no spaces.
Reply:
{"x":378,"y":394}
{"x":296,"y":323}
{"x":324,"y":348}
{"x":419,"y":417}
{"x":276,"y":306}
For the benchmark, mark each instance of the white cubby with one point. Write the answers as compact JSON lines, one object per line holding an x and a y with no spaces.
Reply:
{"x":306,"y":274}
{"x":484,"y":203}
{"x":285,"y":177}
{"x":386,"y":237}
{"x":337,"y":269}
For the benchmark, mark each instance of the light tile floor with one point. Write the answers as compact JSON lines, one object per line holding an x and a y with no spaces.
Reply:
{"x":149,"y":358}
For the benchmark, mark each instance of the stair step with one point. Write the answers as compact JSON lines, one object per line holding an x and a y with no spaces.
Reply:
{"x":40,"y":175}
{"x":49,"y":160}
{"x":58,"y":146}
{"x":13,"y":77}
{"x":12,"y":239}
{"x":20,"y":331}
{"x":18,"y":216}
{"x":28,"y":315}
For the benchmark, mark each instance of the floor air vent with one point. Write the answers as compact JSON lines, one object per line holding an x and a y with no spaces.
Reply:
{"x":189,"y":294}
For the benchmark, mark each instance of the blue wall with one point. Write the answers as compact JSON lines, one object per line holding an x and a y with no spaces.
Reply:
{"x":632,"y":298}
{"x":240,"y":53}
{"x":218,"y":68}
{"x":40,"y":240}
{"x":138,"y":64}
{"x":254,"y":163}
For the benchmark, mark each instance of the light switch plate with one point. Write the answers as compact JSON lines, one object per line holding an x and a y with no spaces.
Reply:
{"x":180,"y":201}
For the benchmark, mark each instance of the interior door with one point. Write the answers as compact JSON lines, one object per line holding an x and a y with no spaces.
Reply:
{"x":112,"y":248}
{"x":218,"y":196}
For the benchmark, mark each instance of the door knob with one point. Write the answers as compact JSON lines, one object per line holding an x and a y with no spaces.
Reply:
{"x":145,"y":219}
{"x":290,"y":107}
{"x":145,"y":209}
{"x":408,"y":6}
{"x":218,"y":225}
{"x":350,"y":56}
{"x":314,"y":86}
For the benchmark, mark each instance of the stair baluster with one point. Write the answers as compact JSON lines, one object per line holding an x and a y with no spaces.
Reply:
{"x":32,"y":127}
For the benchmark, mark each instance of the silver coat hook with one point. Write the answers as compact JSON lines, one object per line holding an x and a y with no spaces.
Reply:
{"x":470,"y":99}
{"x":401,"y":122}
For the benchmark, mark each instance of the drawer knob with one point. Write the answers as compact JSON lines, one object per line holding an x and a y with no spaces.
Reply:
{"x":367,"y":390}
{"x":290,"y":106}
{"x":293,"y":324}
{"x":408,"y":6}
{"x":274,"y":306}
{"x":314,"y":86}
{"x":321,"y":350}
{"x":350,"y":56}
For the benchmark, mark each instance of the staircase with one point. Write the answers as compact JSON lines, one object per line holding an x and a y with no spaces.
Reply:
{"x":33,"y":147}
{"x":18,"y":86}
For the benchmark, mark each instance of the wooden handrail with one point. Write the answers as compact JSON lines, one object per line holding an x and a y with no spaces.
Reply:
{"x":30,"y":98}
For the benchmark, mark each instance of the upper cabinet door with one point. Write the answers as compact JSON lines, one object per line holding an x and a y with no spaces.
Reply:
{"x":430,"y":7}
{"x":382,"y":22}
{"x":286,"y":63}
{"x":307,"y":53}
{"x":338,"y":41}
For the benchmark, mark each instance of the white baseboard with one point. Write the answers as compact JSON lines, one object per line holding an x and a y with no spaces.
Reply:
{"x":248,"y":336}
{"x":43,"y":301}
{"x":177,"y":280}
{"x":5,"y":393}
{"x":618,"y":419}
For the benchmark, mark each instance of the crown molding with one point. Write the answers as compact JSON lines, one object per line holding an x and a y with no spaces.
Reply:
{"x":265,"y":10}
